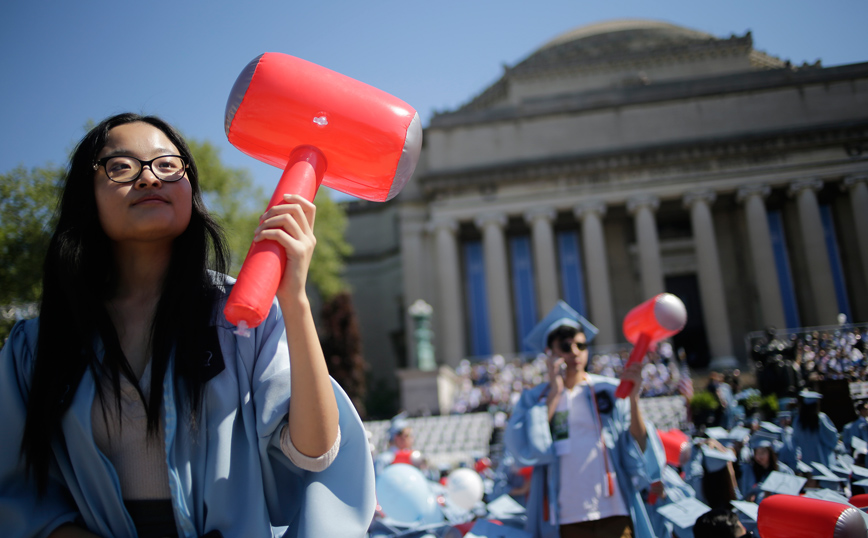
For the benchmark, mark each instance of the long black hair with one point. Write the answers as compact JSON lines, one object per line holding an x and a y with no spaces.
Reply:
{"x":809,"y":415}
{"x":79,"y":277}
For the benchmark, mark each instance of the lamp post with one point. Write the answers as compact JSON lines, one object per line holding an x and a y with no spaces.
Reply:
{"x":420,"y":311}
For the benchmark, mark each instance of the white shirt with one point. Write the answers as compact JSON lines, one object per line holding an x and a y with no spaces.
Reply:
{"x":582,"y":495}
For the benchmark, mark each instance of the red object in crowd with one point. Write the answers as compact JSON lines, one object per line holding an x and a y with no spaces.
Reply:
{"x":482,"y":464}
{"x":319,"y":127}
{"x":526,"y":472}
{"x":860,"y":501}
{"x":403,"y":456}
{"x":674,"y":442}
{"x":791,"y":516}
{"x":465,"y":527}
{"x":658,"y":318}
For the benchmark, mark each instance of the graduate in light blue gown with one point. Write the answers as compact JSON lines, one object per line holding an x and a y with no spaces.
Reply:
{"x":814,"y":434}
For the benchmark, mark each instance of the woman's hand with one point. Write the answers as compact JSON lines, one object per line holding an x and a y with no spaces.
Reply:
{"x":555,"y":366}
{"x":291,"y":224}
{"x":313,"y":414}
{"x":634,"y":373}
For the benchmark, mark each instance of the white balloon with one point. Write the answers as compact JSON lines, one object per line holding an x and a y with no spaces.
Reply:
{"x":465,"y":488}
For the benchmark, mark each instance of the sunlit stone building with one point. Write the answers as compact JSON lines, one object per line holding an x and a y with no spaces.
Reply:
{"x":618,"y":161}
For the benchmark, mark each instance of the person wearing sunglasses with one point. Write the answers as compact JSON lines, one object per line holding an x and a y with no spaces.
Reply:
{"x":131,"y":407}
{"x":587,"y":447}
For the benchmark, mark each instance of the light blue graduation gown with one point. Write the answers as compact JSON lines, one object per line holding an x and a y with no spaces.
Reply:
{"x":228,"y":474}
{"x":816,"y":446}
{"x":528,"y":438}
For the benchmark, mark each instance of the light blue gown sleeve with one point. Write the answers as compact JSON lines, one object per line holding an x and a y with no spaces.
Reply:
{"x":338,"y":501}
{"x":528,"y":436}
{"x":23,"y":512}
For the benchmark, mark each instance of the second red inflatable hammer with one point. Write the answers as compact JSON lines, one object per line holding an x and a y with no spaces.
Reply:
{"x":654,"y":320}
{"x":320,"y":127}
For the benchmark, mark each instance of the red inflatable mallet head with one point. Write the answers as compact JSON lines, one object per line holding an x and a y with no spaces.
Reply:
{"x":860,"y":500}
{"x":320,"y":127}
{"x":658,"y":318}
{"x":791,"y":516}
{"x":675,"y":442}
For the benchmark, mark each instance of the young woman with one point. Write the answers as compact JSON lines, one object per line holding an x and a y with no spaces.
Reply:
{"x":764,"y":460}
{"x":814,"y":433}
{"x":130,"y":406}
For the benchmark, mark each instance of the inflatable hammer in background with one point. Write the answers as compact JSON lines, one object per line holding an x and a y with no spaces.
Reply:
{"x":658,"y":318}
{"x":319,"y":127}
{"x":792,"y":516}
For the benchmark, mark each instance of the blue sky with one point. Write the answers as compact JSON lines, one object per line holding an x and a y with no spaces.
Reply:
{"x":67,"y":62}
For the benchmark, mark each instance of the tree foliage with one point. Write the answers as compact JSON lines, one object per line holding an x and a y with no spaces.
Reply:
{"x":231,"y":195}
{"x":27,"y":202}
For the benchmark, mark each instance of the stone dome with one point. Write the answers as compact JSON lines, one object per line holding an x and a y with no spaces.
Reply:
{"x":613,"y":41}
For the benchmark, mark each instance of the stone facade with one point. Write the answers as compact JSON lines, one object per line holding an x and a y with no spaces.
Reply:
{"x":643,"y":157}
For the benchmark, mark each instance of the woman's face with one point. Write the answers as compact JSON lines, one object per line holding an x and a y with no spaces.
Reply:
{"x":146,"y":209}
{"x":761,"y":456}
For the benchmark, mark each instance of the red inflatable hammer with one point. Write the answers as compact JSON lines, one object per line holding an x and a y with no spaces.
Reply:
{"x":791,"y":516}
{"x":656,"y":319}
{"x":320,"y":127}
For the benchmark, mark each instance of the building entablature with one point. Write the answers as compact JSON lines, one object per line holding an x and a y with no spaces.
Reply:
{"x":567,"y":103}
{"x":720,"y":162}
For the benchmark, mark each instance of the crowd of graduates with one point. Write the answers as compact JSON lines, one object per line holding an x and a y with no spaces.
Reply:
{"x":494,"y":383}
{"x":709,"y":479}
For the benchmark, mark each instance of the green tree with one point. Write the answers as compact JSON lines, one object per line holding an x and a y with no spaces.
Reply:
{"x":231,"y":195}
{"x":27,"y":202}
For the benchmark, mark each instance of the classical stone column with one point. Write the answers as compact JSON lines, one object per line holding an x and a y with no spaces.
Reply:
{"x":858,"y":187}
{"x":497,"y":282}
{"x":413,"y":226}
{"x":642,"y":209}
{"x":816,"y":254}
{"x":597,"y":266}
{"x":710,"y":278}
{"x":450,"y":314}
{"x":764,"y":266}
{"x":545,"y":266}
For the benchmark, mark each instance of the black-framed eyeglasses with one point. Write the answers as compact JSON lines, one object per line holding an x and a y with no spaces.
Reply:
{"x":567,"y":346}
{"x":124,"y":169}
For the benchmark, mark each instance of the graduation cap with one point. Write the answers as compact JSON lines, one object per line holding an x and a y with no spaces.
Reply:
{"x":810,"y":397}
{"x":778,"y":482}
{"x":803,"y":467}
{"x":859,"y":445}
{"x":822,"y":471}
{"x":747,"y":508}
{"x":841,"y":469}
{"x":859,"y":471}
{"x":716,"y":432}
{"x":505,"y":507}
{"x":763,"y":439}
{"x":559,"y":316}
{"x":771,"y":428}
{"x":862,"y":483}
{"x":398,"y":424}
{"x":715,"y":460}
{"x":683,"y":515}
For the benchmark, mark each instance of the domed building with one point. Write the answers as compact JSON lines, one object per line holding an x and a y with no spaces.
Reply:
{"x":618,"y":161}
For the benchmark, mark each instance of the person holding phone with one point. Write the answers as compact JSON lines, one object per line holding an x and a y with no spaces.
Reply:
{"x":588,"y":448}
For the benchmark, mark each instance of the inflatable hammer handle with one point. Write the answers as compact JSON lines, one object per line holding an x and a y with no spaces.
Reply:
{"x":638,"y":353}
{"x":253,"y":293}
